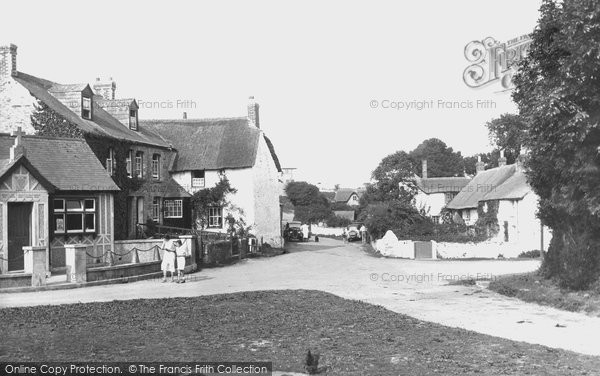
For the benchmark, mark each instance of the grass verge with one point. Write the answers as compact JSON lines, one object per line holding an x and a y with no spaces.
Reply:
{"x":354,"y":338}
{"x":531,"y":287}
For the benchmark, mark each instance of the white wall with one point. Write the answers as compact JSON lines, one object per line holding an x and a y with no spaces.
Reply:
{"x":266,"y":196}
{"x":432,"y":204}
{"x":257,"y":196}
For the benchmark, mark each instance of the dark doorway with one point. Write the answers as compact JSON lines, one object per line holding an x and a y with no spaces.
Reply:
{"x":19,"y":233}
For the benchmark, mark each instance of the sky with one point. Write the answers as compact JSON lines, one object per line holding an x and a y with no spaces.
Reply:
{"x":325,"y":73}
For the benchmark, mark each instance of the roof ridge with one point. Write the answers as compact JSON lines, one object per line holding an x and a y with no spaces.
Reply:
{"x":42,"y":137}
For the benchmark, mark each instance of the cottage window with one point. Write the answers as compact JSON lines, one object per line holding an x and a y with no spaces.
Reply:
{"x":74,"y":215}
{"x":111,"y":162}
{"x":198,"y":179}
{"x":86,"y":108}
{"x":133,"y":120}
{"x":156,"y":166}
{"x":215,"y":217}
{"x":139,"y":159}
{"x":173,"y":208}
{"x":156,"y":209}
{"x":128,"y":162}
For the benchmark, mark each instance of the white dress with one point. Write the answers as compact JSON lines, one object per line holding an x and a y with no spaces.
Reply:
{"x":168,"y":261}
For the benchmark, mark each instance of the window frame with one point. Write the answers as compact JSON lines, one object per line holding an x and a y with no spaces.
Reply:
{"x":155,"y":166}
{"x":139,"y":156}
{"x":133,"y":120}
{"x":218,"y":216}
{"x":129,"y":163}
{"x":86,"y":115}
{"x":83,"y":212}
{"x":198,"y":176}
{"x":111,"y":162}
{"x":156,"y":209}
{"x":173,"y":205}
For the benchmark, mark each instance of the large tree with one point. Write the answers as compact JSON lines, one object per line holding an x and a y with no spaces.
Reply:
{"x":310,"y":205}
{"x":557,"y":92}
{"x":507,"y":133}
{"x":441,"y":159}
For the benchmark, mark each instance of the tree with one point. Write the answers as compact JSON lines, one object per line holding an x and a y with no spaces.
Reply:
{"x":556,"y":90}
{"x":507,"y":133}
{"x":393,"y":179}
{"x":379,"y":217}
{"x":441,"y":159}
{"x":310,"y":205}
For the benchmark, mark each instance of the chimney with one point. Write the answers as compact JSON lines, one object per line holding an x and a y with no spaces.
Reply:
{"x":185,"y":116}
{"x":501,"y":160}
{"x":17,"y":149}
{"x":520,"y":164}
{"x":424,"y":168}
{"x":8,"y":61}
{"x":479,"y":166}
{"x":105,"y":88}
{"x":253,"y":119}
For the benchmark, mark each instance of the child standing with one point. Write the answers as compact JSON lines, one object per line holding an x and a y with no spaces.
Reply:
{"x":181,"y":252}
{"x":168,"y":261}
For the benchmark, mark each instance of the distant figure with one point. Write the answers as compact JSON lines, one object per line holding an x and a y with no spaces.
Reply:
{"x":181,"y":252}
{"x":363,"y":234}
{"x":305,"y":232}
{"x":345,"y":234}
{"x":168,"y":261}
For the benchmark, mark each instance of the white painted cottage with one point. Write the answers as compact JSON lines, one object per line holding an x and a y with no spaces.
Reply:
{"x":507,"y":186}
{"x":238,"y":149}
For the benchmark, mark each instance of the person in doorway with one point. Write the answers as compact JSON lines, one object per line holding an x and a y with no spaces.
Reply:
{"x":363,"y":234}
{"x":168,"y":261}
{"x":181,"y":252}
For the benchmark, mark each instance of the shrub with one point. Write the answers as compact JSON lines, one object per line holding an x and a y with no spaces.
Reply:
{"x":426,"y":230}
{"x":535,"y":253}
{"x":337,"y":221}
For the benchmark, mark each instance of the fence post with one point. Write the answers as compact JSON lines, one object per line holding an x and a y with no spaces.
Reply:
{"x":190,"y":240}
{"x":35,"y":263}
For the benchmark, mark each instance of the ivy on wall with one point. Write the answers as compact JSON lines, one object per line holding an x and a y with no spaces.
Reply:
{"x":48,"y":122}
{"x":487,"y":219}
{"x":215,"y":196}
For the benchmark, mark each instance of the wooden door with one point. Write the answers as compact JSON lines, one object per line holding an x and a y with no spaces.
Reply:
{"x":19,"y":233}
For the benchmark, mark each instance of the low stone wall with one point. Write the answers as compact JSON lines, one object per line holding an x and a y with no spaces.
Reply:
{"x":15,"y":280}
{"x":390,"y":246}
{"x":489,"y":250}
{"x":327,"y":231}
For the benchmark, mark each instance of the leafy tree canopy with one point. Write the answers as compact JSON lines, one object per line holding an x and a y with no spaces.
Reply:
{"x":310,"y":205}
{"x":558,"y":98}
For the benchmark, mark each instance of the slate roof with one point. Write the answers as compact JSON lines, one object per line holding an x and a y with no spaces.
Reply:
{"x":442,"y":185}
{"x":210,"y":144}
{"x":500,"y":183}
{"x":68,"y":164}
{"x":343,"y":194}
{"x":103,"y":123}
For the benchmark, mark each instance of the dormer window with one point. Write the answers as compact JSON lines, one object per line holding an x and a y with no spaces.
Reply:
{"x":86,"y":108}
{"x":133,"y":120}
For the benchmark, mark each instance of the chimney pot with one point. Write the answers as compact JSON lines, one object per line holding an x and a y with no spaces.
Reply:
{"x":501,"y":160}
{"x":479,"y":166}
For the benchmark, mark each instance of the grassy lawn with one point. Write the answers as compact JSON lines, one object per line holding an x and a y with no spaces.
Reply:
{"x":533,"y":288}
{"x":354,"y":338}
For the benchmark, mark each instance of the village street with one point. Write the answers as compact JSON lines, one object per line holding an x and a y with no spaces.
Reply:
{"x":416,"y":288}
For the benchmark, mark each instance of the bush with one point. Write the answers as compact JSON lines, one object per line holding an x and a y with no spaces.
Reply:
{"x":379,"y":217}
{"x":535,"y":253}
